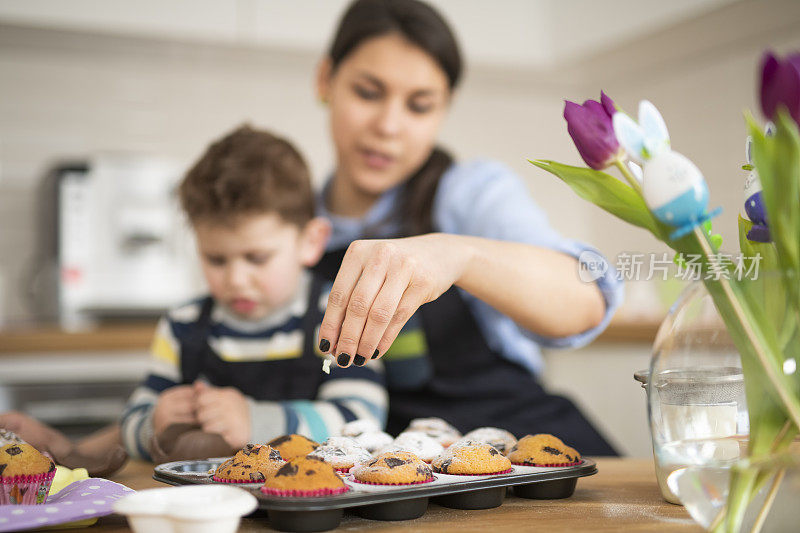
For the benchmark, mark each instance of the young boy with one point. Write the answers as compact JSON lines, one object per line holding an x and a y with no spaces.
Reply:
{"x":240,"y":365}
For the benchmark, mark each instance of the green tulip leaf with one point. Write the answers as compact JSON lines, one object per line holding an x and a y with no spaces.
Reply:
{"x":605,"y":191}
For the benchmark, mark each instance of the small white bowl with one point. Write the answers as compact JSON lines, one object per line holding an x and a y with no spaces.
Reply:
{"x":196,"y":509}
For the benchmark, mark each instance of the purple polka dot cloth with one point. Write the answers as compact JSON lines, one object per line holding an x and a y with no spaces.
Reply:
{"x":80,"y":500}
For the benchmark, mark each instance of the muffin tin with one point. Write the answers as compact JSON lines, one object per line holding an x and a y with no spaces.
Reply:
{"x":376,"y":502}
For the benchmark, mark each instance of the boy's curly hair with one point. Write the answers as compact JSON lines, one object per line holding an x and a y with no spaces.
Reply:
{"x":248,"y":172}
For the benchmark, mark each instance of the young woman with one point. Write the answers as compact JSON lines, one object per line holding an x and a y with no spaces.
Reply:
{"x":412,"y":227}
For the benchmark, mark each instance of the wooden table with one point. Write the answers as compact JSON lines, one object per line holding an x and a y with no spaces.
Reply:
{"x":139,"y":336}
{"x":622,"y":496}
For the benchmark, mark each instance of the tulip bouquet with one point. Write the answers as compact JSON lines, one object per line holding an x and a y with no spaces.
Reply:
{"x":669,"y":198}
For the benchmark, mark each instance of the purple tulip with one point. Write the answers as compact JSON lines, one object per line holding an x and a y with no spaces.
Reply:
{"x":780,"y":84}
{"x":590,"y":127}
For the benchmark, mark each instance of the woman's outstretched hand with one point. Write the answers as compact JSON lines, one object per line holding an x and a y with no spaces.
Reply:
{"x":380,"y":285}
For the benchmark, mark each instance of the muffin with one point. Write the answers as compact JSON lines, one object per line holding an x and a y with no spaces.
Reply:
{"x":358,"y":427}
{"x":367,"y":433}
{"x":471,"y":458}
{"x":543,"y":450}
{"x":436,"y":428}
{"x":25,"y":474}
{"x":393,"y":468}
{"x":499,"y":438}
{"x":304,"y":476}
{"x":342,"y":453}
{"x":291,"y":446}
{"x":9,"y":437}
{"x":418,"y":443}
{"x":374,"y":440}
{"x":251,"y":464}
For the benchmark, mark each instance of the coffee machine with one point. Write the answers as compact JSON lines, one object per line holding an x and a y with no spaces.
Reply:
{"x":114,"y":244}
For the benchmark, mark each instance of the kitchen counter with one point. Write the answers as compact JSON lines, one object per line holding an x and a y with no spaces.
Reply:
{"x":138,"y":335}
{"x":623,"y":495}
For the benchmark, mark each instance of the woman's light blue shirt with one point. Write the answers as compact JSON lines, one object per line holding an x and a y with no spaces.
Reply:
{"x":484,"y":198}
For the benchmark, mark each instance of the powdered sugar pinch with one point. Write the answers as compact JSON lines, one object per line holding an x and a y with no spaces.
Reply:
{"x":341,"y":452}
{"x":416,"y":442}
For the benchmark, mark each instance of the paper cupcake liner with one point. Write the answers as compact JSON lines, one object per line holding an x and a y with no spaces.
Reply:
{"x":304,"y":493}
{"x":548,"y":464}
{"x":220,"y":480}
{"x":429,"y":480}
{"x":344,"y":470}
{"x":484,"y":474}
{"x":25,"y":490}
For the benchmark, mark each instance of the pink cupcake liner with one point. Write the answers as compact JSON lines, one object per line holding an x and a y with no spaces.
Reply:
{"x":429,"y":480}
{"x":549,"y":465}
{"x":304,"y":493}
{"x":220,"y":480}
{"x":344,"y":470}
{"x":487,"y":474}
{"x":25,"y":490}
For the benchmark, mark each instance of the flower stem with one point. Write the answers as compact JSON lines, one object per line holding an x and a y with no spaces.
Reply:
{"x":632,"y":181}
{"x":785,"y":397}
{"x":773,"y":491}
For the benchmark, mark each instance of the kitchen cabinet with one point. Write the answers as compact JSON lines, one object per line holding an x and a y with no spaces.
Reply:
{"x":75,"y":382}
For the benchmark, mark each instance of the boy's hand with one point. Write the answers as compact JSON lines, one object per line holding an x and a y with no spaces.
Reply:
{"x":223,"y":410}
{"x":176,"y":405}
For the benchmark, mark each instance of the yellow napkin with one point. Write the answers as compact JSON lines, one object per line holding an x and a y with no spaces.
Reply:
{"x":64,"y":476}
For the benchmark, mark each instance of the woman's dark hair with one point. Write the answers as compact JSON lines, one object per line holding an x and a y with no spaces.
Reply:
{"x":422,"y":25}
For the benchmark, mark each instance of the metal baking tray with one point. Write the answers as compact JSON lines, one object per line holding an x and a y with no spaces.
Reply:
{"x":391,"y":502}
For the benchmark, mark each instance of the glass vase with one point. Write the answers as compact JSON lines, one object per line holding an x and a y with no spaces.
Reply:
{"x":772,"y":507}
{"x":696,"y":401}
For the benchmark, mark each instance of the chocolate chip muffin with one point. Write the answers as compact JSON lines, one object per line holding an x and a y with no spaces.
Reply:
{"x":342,"y":453}
{"x":9,"y":437}
{"x":393,"y":468}
{"x":251,"y":464}
{"x":499,"y":438}
{"x":304,"y":476}
{"x":543,"y":450}
{"x":416,"y":442}
{"x":436,"y":428}
{"x":472,"y":458}
{"x":291,"y":446}
{"x":25,"y":474}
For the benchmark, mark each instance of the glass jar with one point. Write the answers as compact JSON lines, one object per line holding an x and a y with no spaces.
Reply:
{"x":695,"y":390}
{"x":772,"y":507}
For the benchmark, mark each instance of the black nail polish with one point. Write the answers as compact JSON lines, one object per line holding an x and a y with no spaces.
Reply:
{"x":324,"y":345}
{"x":359,"y":361}
{"x":343,"y":359}
{"x":376,"y":354}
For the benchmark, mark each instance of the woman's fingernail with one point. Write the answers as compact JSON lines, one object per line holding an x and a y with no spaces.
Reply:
{"x":376,"y":354}
{"x":324,"y":345}
{"x":358,"y":360}
{"x":343,"y":359}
